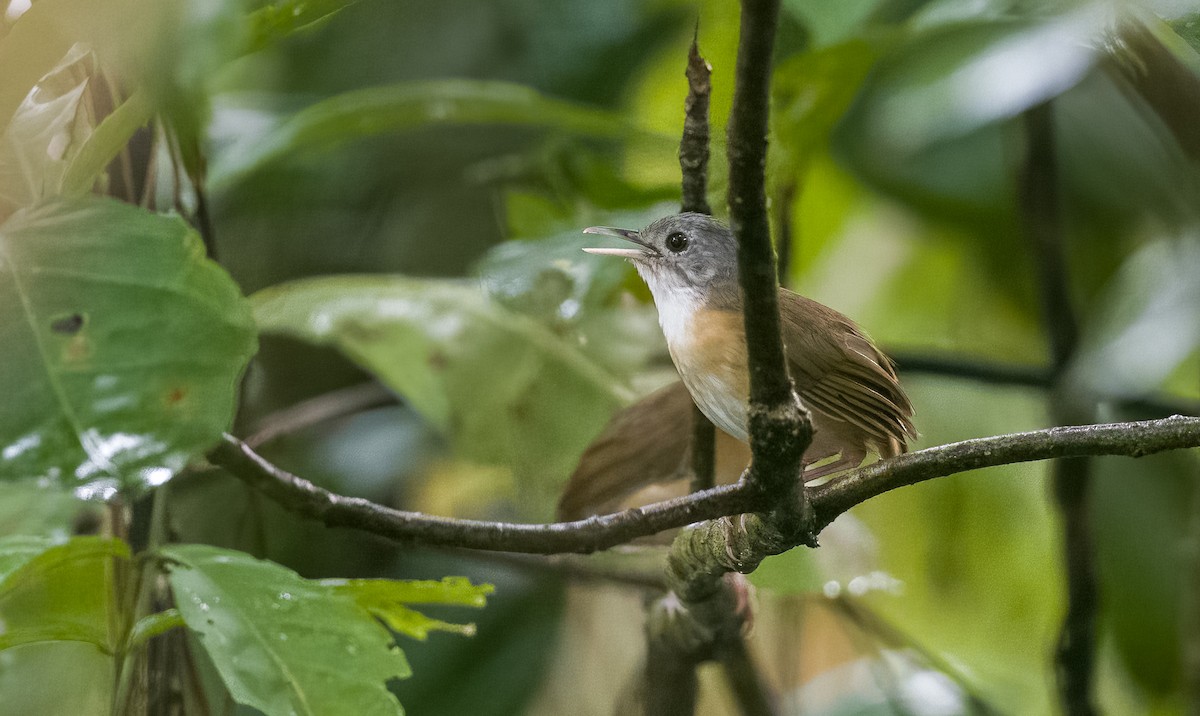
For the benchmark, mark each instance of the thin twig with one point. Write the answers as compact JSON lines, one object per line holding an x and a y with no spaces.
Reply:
{"x":316,"y":410}
{"x":203,"y":218}
{"x":693,"y":146}
{"x":303,"y":498}
{"x":693,"y":166}
{"x":703,"y":452}
{"x":1041,"y":216}
{"x":993,"y":373}
{"x":787,"y":240}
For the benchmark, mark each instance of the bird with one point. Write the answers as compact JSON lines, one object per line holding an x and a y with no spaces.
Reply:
{"x":689,"y":263}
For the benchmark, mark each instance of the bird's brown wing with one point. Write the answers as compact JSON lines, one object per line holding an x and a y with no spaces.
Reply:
{"x":844,"y":378}
{"x":644,"y":444}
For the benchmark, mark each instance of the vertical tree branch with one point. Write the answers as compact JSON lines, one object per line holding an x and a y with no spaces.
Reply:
{"x":670,"y":684}
{"x":702,"y":622}
{"x":1041,"y":217}
{"x":747,"y":142}
{"x":753,"y":695}
{"x":779,"y":427}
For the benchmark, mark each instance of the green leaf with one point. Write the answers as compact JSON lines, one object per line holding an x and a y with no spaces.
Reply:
{"x":811,"y":91}
{"x":24,"y":560}
{"x":409,"y":106}
{"x":94,"y":634}
{"x":927,"y":124}
{"x":551,"y":279}
{"x":26,"y":509}
{"x":122,"y":346}
{"x":104,"y":144}
{"x":386,"y":599}
{"x":153,"y":625}
{"x":450,"y":590}
{"x":282,"y":644}
{"x":47,"y":131}
{"x":1145,"y":324}
{"x":505,"y":388}
{"x":57,"y":591}
{"x":277,"y":20}
{"x":830,"y":22}
{"x":16,"y":551}
{"x":1138,"y":507}
{"x":953,"y":80}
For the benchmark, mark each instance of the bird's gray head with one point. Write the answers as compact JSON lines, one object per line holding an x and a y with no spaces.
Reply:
{"x":687,"y":254}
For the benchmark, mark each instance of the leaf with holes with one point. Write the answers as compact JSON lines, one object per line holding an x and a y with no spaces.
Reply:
{"x":283,"y":644}
{"x":46,"y":132}
{"x":121,"y":343}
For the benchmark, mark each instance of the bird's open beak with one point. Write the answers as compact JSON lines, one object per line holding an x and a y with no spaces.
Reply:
{"x":647,"y":251}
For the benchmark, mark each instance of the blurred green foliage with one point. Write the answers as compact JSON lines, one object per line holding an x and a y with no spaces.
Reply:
{"x":433,"y":163}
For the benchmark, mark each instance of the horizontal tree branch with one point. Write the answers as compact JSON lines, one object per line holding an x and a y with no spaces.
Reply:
{"x":301,"y":497}
{"x":1136,"y":439}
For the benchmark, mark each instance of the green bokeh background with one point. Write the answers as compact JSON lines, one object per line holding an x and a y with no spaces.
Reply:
{"x":896,"y":130}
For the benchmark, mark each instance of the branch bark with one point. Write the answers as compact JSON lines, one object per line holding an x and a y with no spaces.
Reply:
{"x":303,"y":498}
{"x":780,"y":429}
{"x":693,"y":147}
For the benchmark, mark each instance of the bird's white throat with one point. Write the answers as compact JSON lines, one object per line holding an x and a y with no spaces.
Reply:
{"x":677,"y":308}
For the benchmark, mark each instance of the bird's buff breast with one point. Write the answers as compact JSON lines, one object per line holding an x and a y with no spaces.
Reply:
{"x":709,"y":350}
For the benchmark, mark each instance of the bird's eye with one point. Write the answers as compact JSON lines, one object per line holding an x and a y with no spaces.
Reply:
{"x":677,"y":242}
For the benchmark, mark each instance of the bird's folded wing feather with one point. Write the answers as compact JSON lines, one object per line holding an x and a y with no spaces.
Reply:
{"x":839,"y":371}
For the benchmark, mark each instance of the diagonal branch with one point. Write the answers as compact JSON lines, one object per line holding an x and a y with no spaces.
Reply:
{"x":303,"y":498}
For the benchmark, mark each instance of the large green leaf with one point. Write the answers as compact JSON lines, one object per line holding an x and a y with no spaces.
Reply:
{"x":409,"y":106}
{"x":52,"y":590}
{"x":955,"y":79}
{"x":283,"y":644}
{"x":811,"y":91}
{"x":925,"y":125}
{"x":56,"y":603}
{"x":122,"y":345}
{"x":505,"y":388}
